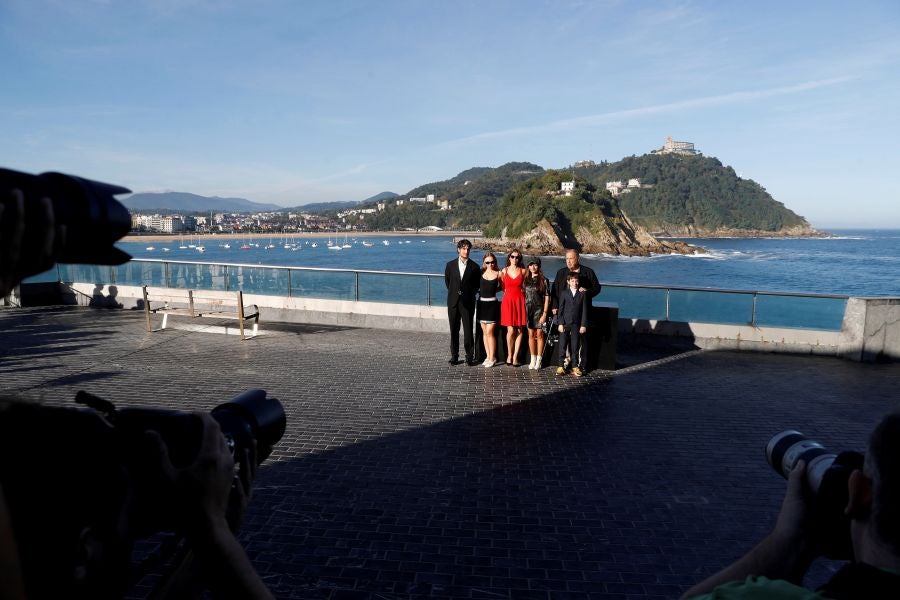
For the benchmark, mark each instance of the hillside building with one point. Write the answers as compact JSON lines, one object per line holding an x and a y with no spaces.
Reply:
{"x":567,"y":187}
{"x":673,"y":147}
{"x":585,"y":163}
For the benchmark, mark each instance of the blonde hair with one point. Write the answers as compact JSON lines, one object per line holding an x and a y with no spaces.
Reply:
{"x":486,"y":256}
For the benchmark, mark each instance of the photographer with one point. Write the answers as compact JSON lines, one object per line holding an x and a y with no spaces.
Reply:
{"x":69,"y":513}
{"x":776,"y":566}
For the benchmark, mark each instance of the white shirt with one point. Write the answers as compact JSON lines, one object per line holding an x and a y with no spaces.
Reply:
{"x":462,"y":267}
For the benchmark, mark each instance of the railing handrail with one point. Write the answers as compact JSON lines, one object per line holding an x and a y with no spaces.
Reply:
{"x":724,"y":290}
{"x":606,"y":283}
{"x":727,"y":306}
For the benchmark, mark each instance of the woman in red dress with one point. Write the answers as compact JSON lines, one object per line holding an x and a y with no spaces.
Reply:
{"x":512,"y":309}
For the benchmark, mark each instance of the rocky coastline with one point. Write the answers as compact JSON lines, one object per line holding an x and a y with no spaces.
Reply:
{"x":617,"y":237}
{"x":799,"y":231}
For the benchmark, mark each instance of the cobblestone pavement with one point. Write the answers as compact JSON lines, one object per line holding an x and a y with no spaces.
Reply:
{"x":401,"y":476}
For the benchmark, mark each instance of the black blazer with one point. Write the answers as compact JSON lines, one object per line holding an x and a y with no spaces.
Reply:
{"x":462,"y":291}
{"x":573,"y":309}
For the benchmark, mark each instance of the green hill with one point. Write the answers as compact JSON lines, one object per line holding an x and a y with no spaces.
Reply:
{"x":678,"y":195}
{"x":472,"y":194}
{"x":681,"y":193}
{"x":538,"y":217}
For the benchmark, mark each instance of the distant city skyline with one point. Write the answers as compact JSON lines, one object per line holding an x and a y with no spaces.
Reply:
{"x":296,"y":103}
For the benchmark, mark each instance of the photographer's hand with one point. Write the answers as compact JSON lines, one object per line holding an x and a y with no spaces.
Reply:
{"x":203,"y":489}
{"x":786,"y":553}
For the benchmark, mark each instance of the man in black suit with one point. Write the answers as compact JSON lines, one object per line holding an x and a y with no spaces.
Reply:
{"x":462,"y":278}
{"x":587,"y":283}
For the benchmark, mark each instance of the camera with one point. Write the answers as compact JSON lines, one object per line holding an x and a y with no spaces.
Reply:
{"x":827,"y":475}
{"x":94,"y":219}
{"x":80,"y":482}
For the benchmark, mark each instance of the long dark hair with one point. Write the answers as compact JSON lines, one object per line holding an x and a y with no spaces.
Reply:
{"x":539,"y":276}
{"x":509,"y":260}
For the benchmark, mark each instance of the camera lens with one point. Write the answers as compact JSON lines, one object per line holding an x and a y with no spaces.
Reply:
{"x":785,"y":449}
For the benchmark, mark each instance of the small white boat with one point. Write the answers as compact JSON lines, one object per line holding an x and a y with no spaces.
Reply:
{"x":226,"y":246}
{"x":151,"y":248}
{"x":200,"y":249}
{"x":368,"y":244}
{"x":385,"y":242}
{"x":314,"y":245}
{"x":335,"y":247}
{"x":166,"y":249}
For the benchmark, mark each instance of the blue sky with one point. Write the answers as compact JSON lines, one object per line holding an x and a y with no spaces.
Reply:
{"x":295,"y":102}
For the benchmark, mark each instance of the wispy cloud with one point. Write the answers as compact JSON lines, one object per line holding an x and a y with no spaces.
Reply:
{"x":621,"y":115}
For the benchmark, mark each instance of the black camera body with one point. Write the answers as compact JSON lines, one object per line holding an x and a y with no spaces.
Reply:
{"x":93,"y":218}
{"x":77,"y":478}
{"x":827,"y":476}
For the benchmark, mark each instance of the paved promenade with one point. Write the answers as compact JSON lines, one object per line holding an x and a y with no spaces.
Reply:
{"x":401,"y":476}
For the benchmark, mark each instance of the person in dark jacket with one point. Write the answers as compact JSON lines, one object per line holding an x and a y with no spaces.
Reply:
{"x":587,"y":284}
{"x":572,"y":316}
{"x":462,"y":278}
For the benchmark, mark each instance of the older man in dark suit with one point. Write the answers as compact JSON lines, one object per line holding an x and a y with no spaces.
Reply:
{"x":462,"y":278}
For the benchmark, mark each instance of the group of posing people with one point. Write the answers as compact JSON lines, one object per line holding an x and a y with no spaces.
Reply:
{"x":529,"y":302}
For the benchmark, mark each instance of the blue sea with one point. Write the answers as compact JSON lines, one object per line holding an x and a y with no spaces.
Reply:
{"x":852,"y":262}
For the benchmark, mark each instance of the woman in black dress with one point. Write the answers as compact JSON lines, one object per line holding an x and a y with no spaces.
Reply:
{"x":537,"y":303}
{"x":488,"y":307}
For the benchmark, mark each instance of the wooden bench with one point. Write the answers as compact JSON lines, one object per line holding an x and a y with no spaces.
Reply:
{"x":223,"y":305}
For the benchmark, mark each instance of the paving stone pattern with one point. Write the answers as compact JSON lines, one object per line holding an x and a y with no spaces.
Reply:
{"x":401,"y":476}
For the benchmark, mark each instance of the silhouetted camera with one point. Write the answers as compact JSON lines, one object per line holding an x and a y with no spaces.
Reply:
{"x":82,"y":488}
{"x":827,"y":475}
{"x":249,"y":421}
{"x":94,"y":219}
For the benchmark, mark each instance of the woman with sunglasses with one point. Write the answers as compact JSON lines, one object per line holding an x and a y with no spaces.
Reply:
{"x":488,"y":307}
{"x":512,"y":309}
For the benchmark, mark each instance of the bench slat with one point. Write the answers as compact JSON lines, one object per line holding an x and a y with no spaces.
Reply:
{"x":239,"y":310}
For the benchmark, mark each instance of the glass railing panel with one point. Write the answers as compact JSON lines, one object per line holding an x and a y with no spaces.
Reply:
{"x":269,"y":281}
{"x":800,"y":312}
{"x":635,"y":303}
{"x":197,"y":276}
{"x":101,"y":274}
{"x":394,"y":288}
{"x":141,"y":274}
{"x":48,"y":276}
{"x":706,"y":306}
{"x":337,"y":285}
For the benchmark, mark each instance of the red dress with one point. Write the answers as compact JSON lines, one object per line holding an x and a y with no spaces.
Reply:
{"x":512,"y":309}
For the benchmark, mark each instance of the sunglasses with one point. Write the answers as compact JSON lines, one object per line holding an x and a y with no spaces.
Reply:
{"x":515,"y":256}
{"x":490,"y":262}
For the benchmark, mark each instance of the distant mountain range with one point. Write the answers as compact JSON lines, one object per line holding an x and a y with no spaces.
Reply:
{"x":190,"y":203}
{"x":184,"y":202}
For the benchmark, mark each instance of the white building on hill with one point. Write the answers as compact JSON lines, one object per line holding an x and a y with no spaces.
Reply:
{"x":673,"y":147}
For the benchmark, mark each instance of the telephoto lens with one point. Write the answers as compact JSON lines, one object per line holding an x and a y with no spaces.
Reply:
{"x":827,"y":475}
{"x":785,"y":449}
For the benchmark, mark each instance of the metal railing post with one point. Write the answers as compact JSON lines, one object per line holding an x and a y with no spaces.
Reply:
{"x":753,"y":311}
{"x":225,"y":276}
{"x":427,"y":290}
{"x":290,"y":292}
{"x":166,"y":275}
{"x":356,"y":273}
{"x":667,"y":304}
